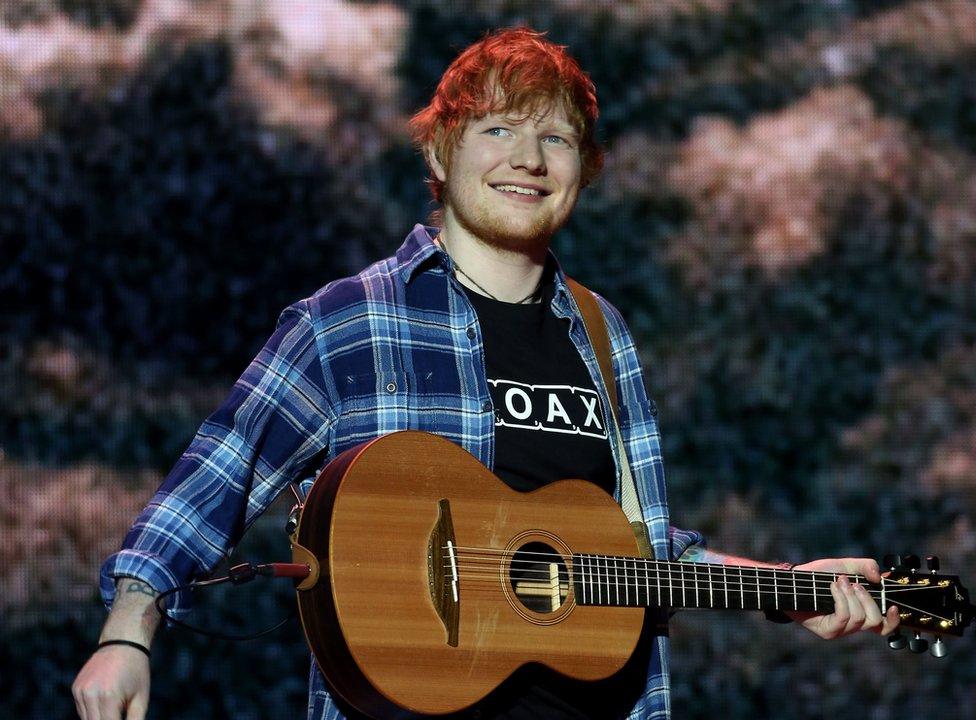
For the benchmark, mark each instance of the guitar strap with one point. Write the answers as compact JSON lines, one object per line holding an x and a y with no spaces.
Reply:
{"x":596,"y":329}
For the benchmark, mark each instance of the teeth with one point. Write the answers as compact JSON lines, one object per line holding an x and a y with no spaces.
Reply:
{"x":517,"y":189}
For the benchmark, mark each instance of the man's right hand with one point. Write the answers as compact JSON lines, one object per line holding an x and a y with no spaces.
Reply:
{"x":113,"y":684}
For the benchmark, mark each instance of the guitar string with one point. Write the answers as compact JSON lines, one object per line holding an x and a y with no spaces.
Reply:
{"x":744,"y":573}
{"x":490,"y":553}
{"x":632,"y":565}
{"x":463,"y":550}
{"x":902,"y":606}
{"x":647,"y":564}
{"x":689,"y":585}
{"x":701,"y":582}
{"x":483,"y":582}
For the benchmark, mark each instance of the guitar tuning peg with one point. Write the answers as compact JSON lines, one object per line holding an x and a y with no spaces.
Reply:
{"x":917,"y":644}
{"x":912,"y":562}
{"x":938,"y":648}
{"x":892,"y":561}
{"x":933,"y":563}
{"x":896,"y":641}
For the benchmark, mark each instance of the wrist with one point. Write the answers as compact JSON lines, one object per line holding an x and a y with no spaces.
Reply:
{"x":124,"y":643}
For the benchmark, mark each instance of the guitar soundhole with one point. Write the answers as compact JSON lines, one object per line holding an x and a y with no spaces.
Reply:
{"x":539,"y":577}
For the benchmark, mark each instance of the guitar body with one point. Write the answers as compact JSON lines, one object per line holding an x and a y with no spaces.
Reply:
{"x":383,"y":620}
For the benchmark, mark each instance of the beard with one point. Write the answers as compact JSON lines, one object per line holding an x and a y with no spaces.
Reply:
{"x":503,"y":231}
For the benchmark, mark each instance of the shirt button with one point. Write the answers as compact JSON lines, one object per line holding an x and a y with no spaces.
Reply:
{"x":653,"y":408}
{"x":486,"y":406}
{"x":391,"y":387}
{"x":471,"y":333}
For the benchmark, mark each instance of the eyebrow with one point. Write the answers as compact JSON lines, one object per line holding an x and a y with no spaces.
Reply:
{"x":557,"y":127}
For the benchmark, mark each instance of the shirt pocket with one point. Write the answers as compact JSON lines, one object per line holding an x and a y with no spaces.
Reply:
{"x":375,"y":404}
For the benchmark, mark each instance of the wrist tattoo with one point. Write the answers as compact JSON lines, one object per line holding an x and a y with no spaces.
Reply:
{"x":140,"y":587}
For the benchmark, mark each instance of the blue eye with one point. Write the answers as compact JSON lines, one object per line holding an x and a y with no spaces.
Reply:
{"x":496,"y":131}
{"x":555,"y":139}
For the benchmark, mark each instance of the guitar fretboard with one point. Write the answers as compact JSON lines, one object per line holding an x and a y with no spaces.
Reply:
{"x":639,"y":582}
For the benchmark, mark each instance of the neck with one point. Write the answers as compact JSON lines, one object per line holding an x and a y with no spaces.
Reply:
{"x":638,"y":582}
{"x":507,"y":275}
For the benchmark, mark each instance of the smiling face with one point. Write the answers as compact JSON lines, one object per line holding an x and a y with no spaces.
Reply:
{"x":512,"y":182}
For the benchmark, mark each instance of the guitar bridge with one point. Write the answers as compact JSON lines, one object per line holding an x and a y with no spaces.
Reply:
{"x":442,"y":572}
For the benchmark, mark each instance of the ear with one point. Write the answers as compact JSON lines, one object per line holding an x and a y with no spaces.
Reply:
{"x":436,"y":166}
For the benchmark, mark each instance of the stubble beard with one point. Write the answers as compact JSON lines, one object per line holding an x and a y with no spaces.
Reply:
{"x":501,"y":233}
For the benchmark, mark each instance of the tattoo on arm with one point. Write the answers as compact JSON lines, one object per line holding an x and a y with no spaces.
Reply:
{"x":695,"y":553}
{"x":136,"y":586}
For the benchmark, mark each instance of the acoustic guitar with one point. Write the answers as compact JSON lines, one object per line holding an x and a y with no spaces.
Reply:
{"x":432,"y":581}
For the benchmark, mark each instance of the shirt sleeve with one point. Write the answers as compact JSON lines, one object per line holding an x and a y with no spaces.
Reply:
{"x":639,"y":415}
{"x":274,"y":424}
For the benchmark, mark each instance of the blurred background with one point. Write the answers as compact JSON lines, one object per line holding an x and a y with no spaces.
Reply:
{"x":787,"y":220}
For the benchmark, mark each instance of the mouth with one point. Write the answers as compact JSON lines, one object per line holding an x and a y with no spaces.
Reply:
{"x":527,"y":191}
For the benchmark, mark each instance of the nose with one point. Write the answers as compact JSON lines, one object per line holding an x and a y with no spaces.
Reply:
{"x":527,"y":155}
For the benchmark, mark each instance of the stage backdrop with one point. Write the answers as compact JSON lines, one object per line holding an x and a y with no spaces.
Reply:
{"x":787,"y":220}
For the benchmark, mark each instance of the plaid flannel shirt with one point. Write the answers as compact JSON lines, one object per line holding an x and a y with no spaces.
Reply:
{"x":396,"y":347}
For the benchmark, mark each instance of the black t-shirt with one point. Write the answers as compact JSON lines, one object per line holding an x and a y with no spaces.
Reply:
{"x":549,"y":425}
{"x":549,"y":421}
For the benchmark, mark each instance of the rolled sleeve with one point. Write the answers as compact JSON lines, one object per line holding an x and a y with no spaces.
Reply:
{"x":682,"y":541}
{"x":274,"y":424}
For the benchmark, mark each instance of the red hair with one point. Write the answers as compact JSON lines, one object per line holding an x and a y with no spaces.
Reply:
{"x":510,"y":71}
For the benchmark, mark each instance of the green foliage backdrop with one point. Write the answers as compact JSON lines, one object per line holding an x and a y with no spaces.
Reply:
{"x":786,"y":220}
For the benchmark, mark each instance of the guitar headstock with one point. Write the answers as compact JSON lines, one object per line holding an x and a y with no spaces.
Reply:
{"x":926,"y":600}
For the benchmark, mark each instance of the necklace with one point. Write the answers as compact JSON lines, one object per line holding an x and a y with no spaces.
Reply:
{"x":459,"y":269}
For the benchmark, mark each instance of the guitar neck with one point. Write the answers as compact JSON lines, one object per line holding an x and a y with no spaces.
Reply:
{"x":639,"y":582}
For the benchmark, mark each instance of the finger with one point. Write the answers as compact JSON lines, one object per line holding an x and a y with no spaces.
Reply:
{"x":90,"y":698}
{"x":871,"y":571}
{"x":137,"y":708}
{"x":857,"y":614}
{"x":891,"y":620}
{"x":837,"y":620}
{"x":872,"y":615}
{"x":79,"y":702}
{"x":109,"y":706}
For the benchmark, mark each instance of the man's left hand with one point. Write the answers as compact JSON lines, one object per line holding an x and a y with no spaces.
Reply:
{"x":854,"y":608}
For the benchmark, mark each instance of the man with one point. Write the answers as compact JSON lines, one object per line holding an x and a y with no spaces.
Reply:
{"x":454,"y":334}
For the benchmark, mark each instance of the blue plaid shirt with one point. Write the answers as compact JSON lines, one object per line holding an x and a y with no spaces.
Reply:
{"x":396,"y":347}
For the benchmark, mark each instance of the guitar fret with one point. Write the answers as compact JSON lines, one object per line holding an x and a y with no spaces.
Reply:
{"x":625,"y":579}
{"x":616,"y":581}
{"x":775,"y":590}
{"x":711,"y":591}
{"x":670,"y":585}
{"x":684,"y":599}
{"x":657,"y":577}
{"x":813,"y":579}
{"x":636,"y":584}
{"x":742,"y":591}
{"x":796,"y":605}
{"x":758,"y":592}
{"x":647,"y":581}
{"x":583,"y":578}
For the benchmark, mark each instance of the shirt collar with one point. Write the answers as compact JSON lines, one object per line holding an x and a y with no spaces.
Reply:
{"x":419,"y":251}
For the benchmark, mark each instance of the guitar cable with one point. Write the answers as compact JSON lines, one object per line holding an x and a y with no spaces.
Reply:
{"x":238,"y":575}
